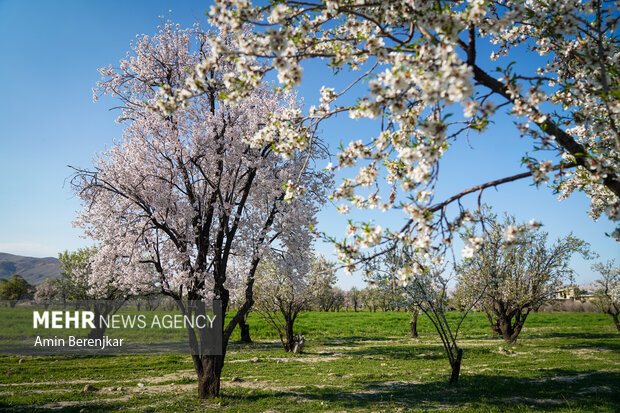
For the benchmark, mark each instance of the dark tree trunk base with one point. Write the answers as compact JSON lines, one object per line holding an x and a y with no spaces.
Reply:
{"x":456,"y":367}
{"x":208,"y":388}
{"x":245,"y":332}
{"x":616,"y":321}
{"x":509,"y":340}
{"x":414,"y":328}
{"x":209,"y":371}
{"x":96,"y":333}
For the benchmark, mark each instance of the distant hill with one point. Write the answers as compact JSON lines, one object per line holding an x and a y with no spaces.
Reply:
{"x":34,"y":270}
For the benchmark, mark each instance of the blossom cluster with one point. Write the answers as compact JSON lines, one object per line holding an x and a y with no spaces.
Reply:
{"x":178,"y":196}
{"x":420,"y":62}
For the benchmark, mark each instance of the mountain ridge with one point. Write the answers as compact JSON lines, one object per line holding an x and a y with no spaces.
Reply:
{"x":32,"y":269}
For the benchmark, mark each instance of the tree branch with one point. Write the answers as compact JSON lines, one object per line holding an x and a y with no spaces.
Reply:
{"x":550,"y":128}
{"x":489,"y":184}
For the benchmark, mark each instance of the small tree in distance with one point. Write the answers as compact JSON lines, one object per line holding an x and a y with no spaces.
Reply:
{"x":421,"y":286}
{"x":607,"y":295}
{"x":515,"y":272}
{"x":338,"y":299}
{"x":425,"y":288}
{"x":47,"y":291}
{"x":354,"y":298}
{"x":282,"y":292}
{"x":322,"y":283}
{"x":100,"y":293}
{"x":370,"y":297}
{"x":14,"y":289}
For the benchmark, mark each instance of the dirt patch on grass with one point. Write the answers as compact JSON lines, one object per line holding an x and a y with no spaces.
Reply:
{"x":529,"y":400}
{"x":596,"y":389}
{"x":49,"y":383}
{"x":162,"y":388}
{"x":70,"y":403}
{"x":563,"y":379}
{"x":432,"y":354}
{"x":476,"y":371}
{"x":179,"y":375}
{"x":381,"y":386}
{"x":508,"y":352}
{"x":341,"y":348}
{"x":310,"y":359}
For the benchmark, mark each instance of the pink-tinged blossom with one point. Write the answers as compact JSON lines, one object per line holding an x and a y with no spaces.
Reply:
{"x":181,"y":198}
{"x":472,"y":245}
{"x":511,"y":232}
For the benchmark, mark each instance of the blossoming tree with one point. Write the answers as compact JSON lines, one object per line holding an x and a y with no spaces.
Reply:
{"x":607,"y":292}
{"x":283,"y":291}
{"x":514,"y":275}
{"x":99,"y":292}
{"x":322,"y":284}
{"x":46,"y":291}
{"x":179,"y":195}
{"x":426,"y":293}
{"x":429,"y":85}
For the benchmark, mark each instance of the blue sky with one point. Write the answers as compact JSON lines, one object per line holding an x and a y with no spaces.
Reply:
{"x":49,"y":55}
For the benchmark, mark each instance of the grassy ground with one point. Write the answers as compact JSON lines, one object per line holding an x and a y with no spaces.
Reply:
{"x":354,"y":362}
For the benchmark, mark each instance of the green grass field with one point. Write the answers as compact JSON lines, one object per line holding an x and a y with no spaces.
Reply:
{"x":353,"y":362}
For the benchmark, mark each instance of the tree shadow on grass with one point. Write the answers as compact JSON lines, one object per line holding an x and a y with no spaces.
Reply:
{"x":398,"y":352}
{"x":254,"y":345}
{"x":558,"y":389}
{"x":74,"y":408}
{"x":353,"y":340}
{"x":313,"y":341}
{"x":561,"y":389}
{"x":586,"y":340}
{"x":576,"y":336}
{"x":409,"y":351}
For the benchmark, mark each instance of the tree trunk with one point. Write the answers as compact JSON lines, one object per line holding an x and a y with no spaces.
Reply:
{"x":97,"y":333}
{"x":413,"y":324}
{"x":290,"y":337}
{"x":494,"y":324}
{"x":507,"y":331}
{"x":510,"y":332}
{"x":245,"y":330}
{"x":615,"y":317}
{"x":99,"y":330}
{"x":209,"y":371}
{"x":456,"y":366}
{"x":209,"y":367}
